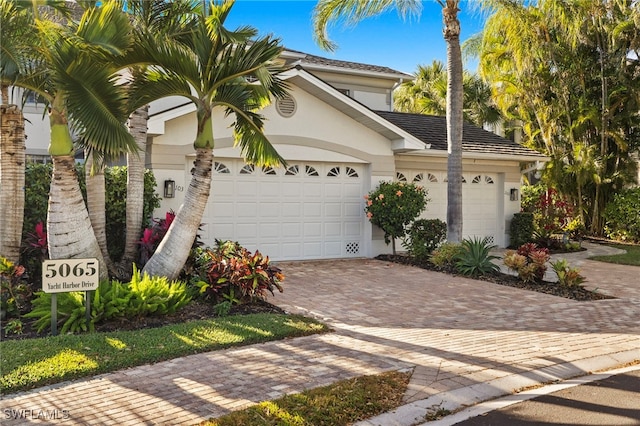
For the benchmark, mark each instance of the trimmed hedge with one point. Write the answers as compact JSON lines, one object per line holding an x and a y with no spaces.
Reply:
{"x":622,"y":216}
{"x":521,"y":229}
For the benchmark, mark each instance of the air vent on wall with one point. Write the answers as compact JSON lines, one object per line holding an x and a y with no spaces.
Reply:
{"x":286,"y":106}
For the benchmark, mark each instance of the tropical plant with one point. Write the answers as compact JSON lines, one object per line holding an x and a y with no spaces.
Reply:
{"x":446,"y":255}
{"x":563,"y":70}
{"x":15,"y":39}
{"x":143,"y":296}
{"x":622,"y":216}
{"x":393,"y":206}
{"x":567,"y":276}
{"x":214,"y":68}
{"x":234,"y":275}
{"x":72,"y":69}
{"x":172,"y":19}
{"x":427,"y":93}
{"x":424,"y":236}
{"x":15,"y":290}
{"x":352,"y":11}
{"x":521,"y":229}
{"x":529,"y":261}
{"x":475,"y":258}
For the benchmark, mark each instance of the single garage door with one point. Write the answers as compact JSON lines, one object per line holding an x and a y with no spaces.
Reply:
{"x":479,"y":200}
{"x":304,"y":211}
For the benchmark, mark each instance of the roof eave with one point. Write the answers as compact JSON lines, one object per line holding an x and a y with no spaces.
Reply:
{"x":481,"y":155}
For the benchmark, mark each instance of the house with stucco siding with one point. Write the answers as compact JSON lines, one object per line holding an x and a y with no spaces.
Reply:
{"x":340,"y":138}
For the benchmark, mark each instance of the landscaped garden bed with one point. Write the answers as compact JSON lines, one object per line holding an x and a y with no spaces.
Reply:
{"x":574,"y":292}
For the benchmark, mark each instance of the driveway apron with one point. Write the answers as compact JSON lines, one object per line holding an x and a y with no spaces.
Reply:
{"x":453,"y":333}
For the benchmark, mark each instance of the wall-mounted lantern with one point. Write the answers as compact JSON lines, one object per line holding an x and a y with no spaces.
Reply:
{"x":513,"y":194}
{"x":169,"y":188}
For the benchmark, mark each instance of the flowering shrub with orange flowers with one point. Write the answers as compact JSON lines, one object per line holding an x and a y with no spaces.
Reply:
{"x":393,"y":206}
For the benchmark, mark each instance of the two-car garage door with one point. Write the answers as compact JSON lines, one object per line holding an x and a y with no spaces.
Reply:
{"x":304,"y":211}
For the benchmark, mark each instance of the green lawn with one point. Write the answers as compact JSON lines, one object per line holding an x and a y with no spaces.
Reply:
{"x":631,"y":257}
{"x":31,"y":363}
{"x":341,"y":403}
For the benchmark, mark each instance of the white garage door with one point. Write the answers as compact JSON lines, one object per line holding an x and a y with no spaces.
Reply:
{"x":479,"y":200}
{"x":306,"y":211}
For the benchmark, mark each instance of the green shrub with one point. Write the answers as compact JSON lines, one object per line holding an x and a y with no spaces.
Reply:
{"x":235,"y":275}
{"x":567,"y":276}
{"x":521,"y":229}
{"x":38,"y":180}
{"x":393,"y":206}
{"x":475,"y":259}
{"x":424,"y":236}
{"x":15,"y":290}
{"x":155,"y":295}
{"x":445,"y":256}
{"x":143,"y":296}
{"x":622,"y":216}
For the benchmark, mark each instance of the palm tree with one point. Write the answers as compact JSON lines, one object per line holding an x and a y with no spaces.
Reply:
{"x":14,"y":39}
{"x":215,"y":69}
{"x":173,"y":20}
{"x":72,"y":69}
{"x":427,"y":94}
{"x":329,"y":11}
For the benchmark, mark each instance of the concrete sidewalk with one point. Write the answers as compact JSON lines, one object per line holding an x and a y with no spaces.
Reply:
{"x":463,"y":339}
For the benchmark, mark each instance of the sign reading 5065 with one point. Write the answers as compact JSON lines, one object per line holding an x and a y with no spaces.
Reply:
{"x":63,"y":275}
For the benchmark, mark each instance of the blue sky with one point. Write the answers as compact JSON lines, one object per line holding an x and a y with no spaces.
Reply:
{"x":386,"y":40}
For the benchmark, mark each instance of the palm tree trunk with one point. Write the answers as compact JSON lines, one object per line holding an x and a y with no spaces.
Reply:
{"x":173,"y":251}
{"x":70,"y":234}
{"x":454,"y":121}
{"x":135,"y":188}
{"x":12,"y":164}
{"x":96,"y":207}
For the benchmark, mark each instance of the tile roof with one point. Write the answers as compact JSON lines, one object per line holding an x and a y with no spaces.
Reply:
{"x":432,"y":130}
{"x":319,"y":60}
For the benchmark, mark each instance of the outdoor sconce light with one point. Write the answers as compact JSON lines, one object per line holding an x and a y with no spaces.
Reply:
{"x":169,"y":188}
{"x":513,"y":194}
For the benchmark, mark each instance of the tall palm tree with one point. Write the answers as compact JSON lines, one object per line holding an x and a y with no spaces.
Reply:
{"x":173,"y":20}
{"x":215,"y":69}
{"x":329,"y":11}
{"x":14,"y":39}
{"x":427,"y":94}
{"x":72,"y":69}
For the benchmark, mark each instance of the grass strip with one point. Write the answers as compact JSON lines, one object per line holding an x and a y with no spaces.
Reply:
{"x":341,"y":403}
{"x":31,"y":363}
{"x":631,"y":257}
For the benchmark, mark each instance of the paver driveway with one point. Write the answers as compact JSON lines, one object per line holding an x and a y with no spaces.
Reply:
{"x":453,"y":332}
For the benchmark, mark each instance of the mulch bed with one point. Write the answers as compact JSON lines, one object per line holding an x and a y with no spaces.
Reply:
{"x":574,"y":293}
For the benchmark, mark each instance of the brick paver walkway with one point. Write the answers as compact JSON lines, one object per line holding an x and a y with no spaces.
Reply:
{"x":451,"y":331}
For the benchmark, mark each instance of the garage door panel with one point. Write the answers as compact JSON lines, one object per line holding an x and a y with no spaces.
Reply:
{"x":291,"y":189}
{"x":312,"y":249}
{"x":291,"y":209}
{"x":352,"y":210}
{"x":269,"y":210}
{"x":312,"y":190}
{"x":221,"y":231}
{"x":245,"y":188}
{"x":332,"y":229}
{"x":269,"y":230}
{"x":247,"y":209}
{"x":269,"y":189}
{"x":246,"y":230}
{"x":352,"y":190}
{"x":313,"y":230}
{"x":333,"y":249}
{"x":352,"y":229}
{"x":333,"y":209}
{"x":221,"y":189}
{"x":290,"y":250}
{"x":312,"y":209}
{"x":333,"y":190}
{"x":291,"y":229}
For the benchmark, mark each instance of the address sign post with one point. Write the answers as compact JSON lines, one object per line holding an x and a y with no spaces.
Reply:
{"x":66,"y":275}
